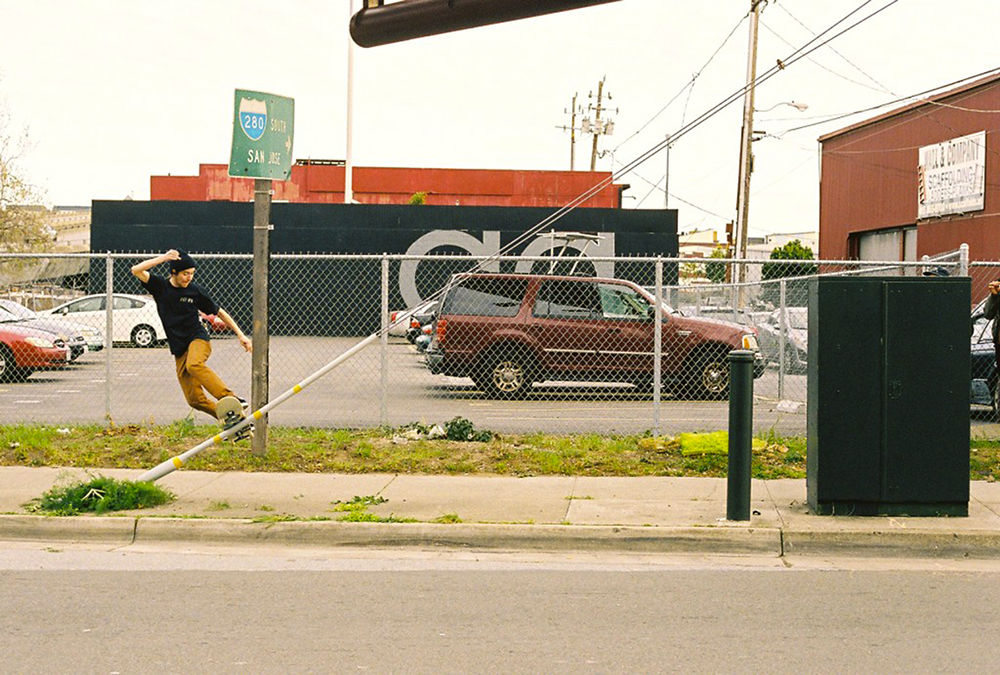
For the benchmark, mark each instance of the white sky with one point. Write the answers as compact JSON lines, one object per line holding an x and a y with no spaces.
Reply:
{"x":114,"y":91}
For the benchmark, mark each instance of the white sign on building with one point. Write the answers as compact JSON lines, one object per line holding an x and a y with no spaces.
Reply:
{"x":951,"y":176}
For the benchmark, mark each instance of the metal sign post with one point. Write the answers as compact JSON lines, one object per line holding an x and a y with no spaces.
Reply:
{"x":262,"y":149}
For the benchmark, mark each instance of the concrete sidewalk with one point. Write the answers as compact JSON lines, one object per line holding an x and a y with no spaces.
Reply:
{"x":653,"y":514}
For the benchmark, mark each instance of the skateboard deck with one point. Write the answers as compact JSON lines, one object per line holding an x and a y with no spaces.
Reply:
{"x":229,"y":410}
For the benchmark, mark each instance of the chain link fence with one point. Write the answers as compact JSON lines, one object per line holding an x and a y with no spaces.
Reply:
{"x":518,"y":344}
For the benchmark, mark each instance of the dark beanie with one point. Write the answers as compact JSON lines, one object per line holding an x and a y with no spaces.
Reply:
{"x":185,"y":262}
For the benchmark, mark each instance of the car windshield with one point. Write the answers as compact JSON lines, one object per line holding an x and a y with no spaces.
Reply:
{"x":17,"y":309}
{"x":651,"y":292}
{"x":798,"y":320}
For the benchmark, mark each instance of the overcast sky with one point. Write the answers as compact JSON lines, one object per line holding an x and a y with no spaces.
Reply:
{"x":114,"y":91}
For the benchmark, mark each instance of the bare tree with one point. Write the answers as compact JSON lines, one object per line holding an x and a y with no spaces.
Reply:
{"x":22,"y":224}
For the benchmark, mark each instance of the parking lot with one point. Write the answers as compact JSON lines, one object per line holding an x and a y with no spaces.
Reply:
{"x":145,"y":390}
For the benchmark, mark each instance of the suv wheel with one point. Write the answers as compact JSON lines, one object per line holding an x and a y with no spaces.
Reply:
{"x":709,"y":379}
{"x":505,"y":376}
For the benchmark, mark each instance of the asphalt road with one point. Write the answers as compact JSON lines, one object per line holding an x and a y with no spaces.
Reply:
{"x":145,"y":390}
{"x":126,"y":611}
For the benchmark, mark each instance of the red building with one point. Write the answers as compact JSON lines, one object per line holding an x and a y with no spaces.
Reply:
{"x":919,"y":180}
{"x":321,"y":182}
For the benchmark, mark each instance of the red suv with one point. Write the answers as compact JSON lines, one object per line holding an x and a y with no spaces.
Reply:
{"x":506,"y":331}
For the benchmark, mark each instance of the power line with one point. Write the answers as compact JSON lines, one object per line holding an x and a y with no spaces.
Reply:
{"x":799,"y":53}
{"x":690,"y":84}
{"x":784,"y":9}
{"x":820,"y":65}
{"x":900,"y":99}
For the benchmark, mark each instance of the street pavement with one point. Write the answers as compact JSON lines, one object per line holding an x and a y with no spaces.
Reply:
{"x":549,"y":513}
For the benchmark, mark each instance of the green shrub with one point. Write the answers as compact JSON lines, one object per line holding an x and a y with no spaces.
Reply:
{"x":99,"y":495}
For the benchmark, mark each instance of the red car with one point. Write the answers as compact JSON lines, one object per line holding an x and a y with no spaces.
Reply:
{"x":507,"y":331}
{"x":213,"y":324}
{"x":24,"y":350}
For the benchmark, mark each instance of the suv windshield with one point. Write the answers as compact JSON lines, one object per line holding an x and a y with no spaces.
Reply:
{"x":485,"y":297}
{"x":622,"y":302}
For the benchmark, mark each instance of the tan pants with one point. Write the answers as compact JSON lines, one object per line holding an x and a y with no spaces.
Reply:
{"x":195,"y":377}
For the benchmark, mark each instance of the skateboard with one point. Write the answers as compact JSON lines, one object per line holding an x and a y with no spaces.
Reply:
{"x":229,"y":410}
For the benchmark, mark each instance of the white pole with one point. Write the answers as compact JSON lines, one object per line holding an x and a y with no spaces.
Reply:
{"x":177,"y":462}
{"x":349,"y":159}
{"x":657,"y":347}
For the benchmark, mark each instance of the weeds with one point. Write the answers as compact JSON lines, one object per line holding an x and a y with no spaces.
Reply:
{"x":100,"y":494}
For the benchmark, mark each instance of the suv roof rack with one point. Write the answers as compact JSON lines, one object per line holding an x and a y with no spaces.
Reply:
{"x":567,"y":238}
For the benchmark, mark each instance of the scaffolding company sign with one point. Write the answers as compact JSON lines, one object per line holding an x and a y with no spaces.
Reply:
{"x":951,"y":176}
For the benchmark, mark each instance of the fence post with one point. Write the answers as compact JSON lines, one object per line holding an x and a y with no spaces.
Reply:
{"x":657,"y":347}
{"x":783,"y":333}
{"x":383,"y":414}
{"x":109,"y":285}
{"x":740,"y":434}
{"x":963,"y":260}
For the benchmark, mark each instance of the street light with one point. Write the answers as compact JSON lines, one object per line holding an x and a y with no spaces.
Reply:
{"x":746,"y":167}
{"x":801,"y":107}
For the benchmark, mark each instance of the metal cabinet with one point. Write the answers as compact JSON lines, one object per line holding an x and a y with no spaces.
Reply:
{"x":888,"y":396}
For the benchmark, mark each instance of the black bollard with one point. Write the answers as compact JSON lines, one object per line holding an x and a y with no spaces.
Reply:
{"x":740,"y":434}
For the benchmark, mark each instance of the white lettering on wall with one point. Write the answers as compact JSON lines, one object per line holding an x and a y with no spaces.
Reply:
{"x":489,"y":245}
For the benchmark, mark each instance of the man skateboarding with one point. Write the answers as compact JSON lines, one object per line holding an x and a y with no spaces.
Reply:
{"x":177,"y":302}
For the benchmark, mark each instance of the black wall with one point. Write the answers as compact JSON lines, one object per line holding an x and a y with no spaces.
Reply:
{"x":342,"y":298}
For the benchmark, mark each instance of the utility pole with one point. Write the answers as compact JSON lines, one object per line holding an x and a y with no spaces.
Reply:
{"x":597,"y":128}
{"x":572,"y":133}
{"x":666,"y":175}
{"x":349,"y":163}
{"x":746,"y":139}
{"x":597,"y":125}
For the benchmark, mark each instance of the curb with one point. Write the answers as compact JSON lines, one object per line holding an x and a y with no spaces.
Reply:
{"x":123,"y":531}
{"x":467,"y":536}
{"x":331,"y":534}
{"x":893,"y":543}
{"x":116,"y":531}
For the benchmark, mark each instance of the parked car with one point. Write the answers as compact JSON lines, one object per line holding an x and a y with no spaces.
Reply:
{"x":23,"y":350}
{"x":214,"y":325}
{"x":423,"y":340}
{"x":796,"y":339}
{"x":507,"y":331}
{"x":134,"y":317}
{"x":422,"y":320}
{"x":983,"y":389}
{"x":78,"y":337}
{"x":420,"y":316}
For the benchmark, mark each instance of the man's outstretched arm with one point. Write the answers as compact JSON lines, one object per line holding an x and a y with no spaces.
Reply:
{"x":228,"y":320}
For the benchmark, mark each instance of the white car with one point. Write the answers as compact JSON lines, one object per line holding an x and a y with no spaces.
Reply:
{"x":134,"y":318}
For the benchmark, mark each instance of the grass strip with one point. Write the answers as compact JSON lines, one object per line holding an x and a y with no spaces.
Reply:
{"x":319,"y":450}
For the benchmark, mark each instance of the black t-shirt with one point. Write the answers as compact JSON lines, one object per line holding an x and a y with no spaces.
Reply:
{"x":178,"y":310}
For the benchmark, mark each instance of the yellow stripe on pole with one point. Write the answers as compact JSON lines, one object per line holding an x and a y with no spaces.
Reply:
{"x":216,"y":439}
{"x":257,"y":414}
{"x":297,"y":388}
{"x":178,"y":462}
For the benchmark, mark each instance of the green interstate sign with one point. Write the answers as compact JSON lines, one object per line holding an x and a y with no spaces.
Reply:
{"x":262,"y":136}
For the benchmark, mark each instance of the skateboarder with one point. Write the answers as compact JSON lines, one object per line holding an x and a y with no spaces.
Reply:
{"x":177,"y":302}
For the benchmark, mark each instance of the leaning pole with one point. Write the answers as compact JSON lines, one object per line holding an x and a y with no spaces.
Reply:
{"x":174,"y":463}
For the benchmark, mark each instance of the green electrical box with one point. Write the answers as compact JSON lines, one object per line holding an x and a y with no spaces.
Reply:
{"x":888,"y":396}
